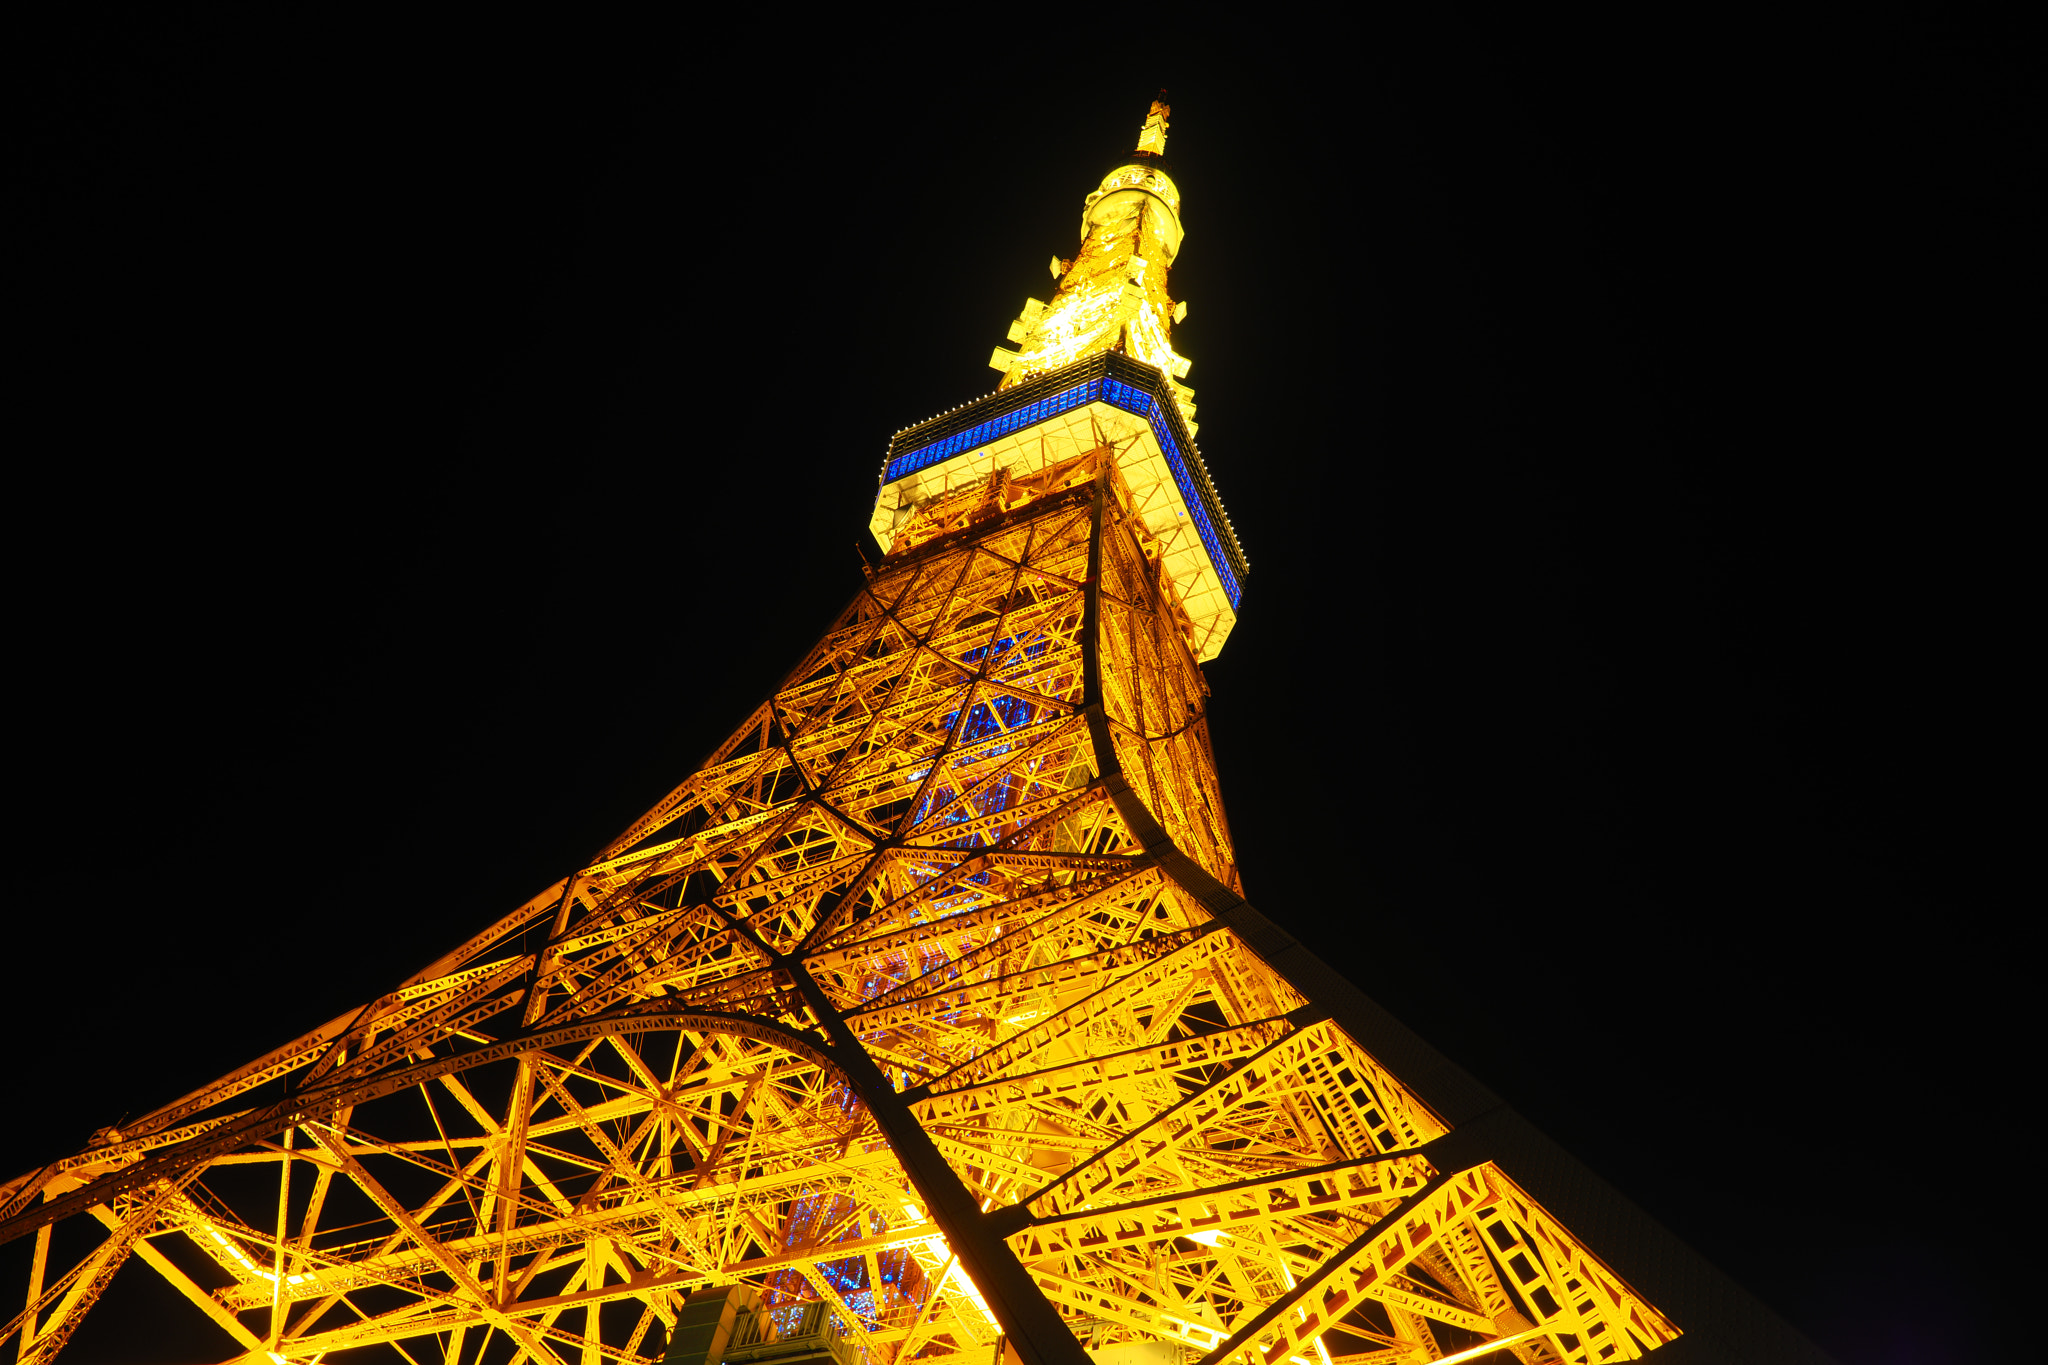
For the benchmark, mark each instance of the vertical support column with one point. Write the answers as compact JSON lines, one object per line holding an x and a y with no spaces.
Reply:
{"x":1032,"y":1326}
{"x":511,"y":1172}
{"x":277,"y":1261}
{"x":1106,"y":763}
{"x":37,"y":1269}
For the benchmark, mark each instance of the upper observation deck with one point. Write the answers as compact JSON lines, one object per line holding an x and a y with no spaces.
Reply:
{"x":1107,"y":400}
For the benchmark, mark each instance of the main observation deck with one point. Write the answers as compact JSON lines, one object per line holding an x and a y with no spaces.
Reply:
{"x":1107,"y":398}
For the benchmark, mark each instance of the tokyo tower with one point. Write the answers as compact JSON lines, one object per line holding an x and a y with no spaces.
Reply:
{"x":925,"y":1020}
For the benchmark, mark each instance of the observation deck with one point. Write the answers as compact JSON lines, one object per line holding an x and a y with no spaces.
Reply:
{"x":1106,"y":399}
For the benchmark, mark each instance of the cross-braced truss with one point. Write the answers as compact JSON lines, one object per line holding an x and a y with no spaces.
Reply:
{"x":928,"y":995}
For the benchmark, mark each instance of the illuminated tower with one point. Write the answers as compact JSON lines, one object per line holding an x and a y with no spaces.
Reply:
{"x":924,"y":1020}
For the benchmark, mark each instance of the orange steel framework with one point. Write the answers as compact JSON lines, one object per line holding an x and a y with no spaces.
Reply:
{"x":926,"y":1019}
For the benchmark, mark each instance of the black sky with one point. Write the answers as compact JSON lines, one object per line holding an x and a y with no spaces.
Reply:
{"x":430,"y":439}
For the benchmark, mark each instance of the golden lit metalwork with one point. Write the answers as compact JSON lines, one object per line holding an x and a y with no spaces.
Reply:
{"x":924,"y":1019}
{"x":1112,"y":294}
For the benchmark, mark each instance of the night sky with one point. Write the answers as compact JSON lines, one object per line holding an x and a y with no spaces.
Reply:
{"x":427,"y":443}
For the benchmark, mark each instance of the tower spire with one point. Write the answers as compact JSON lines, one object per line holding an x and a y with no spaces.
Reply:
{"x":1112,"y":294}
{"x":1152,"y":137}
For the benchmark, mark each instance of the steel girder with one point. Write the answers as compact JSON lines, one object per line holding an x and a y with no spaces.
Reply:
{"x":932,"y":994}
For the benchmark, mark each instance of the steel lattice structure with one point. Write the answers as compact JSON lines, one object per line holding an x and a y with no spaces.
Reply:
{"x":931,"y":995}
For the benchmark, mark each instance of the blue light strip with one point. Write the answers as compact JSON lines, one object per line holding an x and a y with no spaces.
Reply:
{"x":1101,"y":389}
{"x":1030,"y":415}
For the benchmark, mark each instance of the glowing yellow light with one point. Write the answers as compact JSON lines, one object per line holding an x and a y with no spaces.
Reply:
{"x":959,"y":1273}
{"x":1113,"y":295}
{"x":1474,"y":1352}
{"x":1208,"y":1237}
